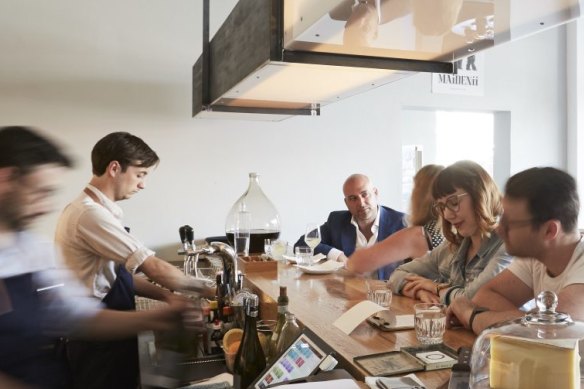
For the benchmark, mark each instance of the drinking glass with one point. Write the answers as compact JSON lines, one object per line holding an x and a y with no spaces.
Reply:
{"x":268,"y":247}
{"x":430,"y":322}
{"x":278,"y":248}
{"x":242,"y":233}
{"x":312,"y":236}
{"x":303,"y":256}
{"x":379,"y":293}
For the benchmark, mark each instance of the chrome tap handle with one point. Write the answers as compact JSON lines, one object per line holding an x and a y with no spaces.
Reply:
{"x":229,"y":260}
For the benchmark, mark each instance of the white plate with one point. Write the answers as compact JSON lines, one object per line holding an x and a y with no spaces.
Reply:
{"x":322,"y":268}
{"x":315,"y":258}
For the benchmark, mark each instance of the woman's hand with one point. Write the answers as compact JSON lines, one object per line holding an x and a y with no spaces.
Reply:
{"x":427,"y":297}
{"x":414,"y":284}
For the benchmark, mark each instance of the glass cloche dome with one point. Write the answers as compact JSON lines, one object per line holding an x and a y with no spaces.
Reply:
{"x":539,"y":351}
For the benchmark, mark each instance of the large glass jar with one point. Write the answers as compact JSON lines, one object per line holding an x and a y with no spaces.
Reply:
{"x":265,"y":219}
{"x":540,"y":350}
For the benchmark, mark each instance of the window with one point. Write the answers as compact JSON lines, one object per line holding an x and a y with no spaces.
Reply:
{"x":465,"y":135}
{"x":444,"y":137}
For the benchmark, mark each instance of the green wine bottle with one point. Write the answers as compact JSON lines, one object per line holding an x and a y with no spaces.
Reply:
{"x":290,"y":332}
{"x":282,"y":309}
{"x":250,"y":360}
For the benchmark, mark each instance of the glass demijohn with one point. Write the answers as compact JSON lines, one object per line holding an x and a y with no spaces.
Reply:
{"x":265,"y":219}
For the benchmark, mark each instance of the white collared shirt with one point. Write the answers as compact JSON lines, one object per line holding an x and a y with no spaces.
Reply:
{"x":360,"y":241}
{"x":93,"y":240}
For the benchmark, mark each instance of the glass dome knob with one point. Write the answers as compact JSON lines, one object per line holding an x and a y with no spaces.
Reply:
{"x":547,"y":302}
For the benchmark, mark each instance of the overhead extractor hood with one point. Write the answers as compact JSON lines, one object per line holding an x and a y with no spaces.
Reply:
{"x":272,"y":59}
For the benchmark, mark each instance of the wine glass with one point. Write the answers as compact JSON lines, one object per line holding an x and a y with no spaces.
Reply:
{"x":312,"y":236}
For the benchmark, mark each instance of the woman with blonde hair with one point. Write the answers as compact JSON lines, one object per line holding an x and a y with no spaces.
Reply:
{"x":421,"y":236}
{"x":469,"y":205}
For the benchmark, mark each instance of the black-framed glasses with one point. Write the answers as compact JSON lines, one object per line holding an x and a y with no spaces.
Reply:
{"x":506,"y":225}
{"x":451,"y":202}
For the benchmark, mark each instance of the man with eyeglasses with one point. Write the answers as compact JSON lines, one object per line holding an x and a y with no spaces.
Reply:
{"x":365,"y":223}
{"x":539,"y":227}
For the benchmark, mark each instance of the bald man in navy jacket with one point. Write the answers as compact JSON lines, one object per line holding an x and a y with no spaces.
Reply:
{"x":365,"y":223}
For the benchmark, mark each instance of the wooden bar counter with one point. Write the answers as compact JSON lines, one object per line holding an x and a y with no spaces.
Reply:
{"x":318,"y":300}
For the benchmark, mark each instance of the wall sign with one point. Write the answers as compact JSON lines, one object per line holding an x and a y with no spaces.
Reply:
{"x":468,"y":79}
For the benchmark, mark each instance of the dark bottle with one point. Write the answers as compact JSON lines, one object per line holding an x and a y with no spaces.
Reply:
{"x":282,"y":309}
{"x":213,"y":316}
{"x":223,"y":294}
{"x":250,"y":360}
{"x":217,"y":337}
{"x":227,"y":318}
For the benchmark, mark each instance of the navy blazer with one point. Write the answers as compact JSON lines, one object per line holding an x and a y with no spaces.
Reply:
{"x":339,"y":233}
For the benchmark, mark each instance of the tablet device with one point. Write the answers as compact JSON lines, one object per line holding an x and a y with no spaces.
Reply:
{"x":300,"y":360}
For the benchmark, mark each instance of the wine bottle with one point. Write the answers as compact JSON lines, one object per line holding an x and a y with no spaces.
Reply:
{"x":282,"y":309}
{"x":289,"y":333}
{"x":250,"y":360}
{"x":222,"y":294}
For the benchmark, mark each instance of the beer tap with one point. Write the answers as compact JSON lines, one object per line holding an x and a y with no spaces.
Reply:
{"x":187,"y":237}
{"x":229,"y":261}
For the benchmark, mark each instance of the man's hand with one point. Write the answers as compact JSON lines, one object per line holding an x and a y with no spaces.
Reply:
{"x":458,"y":313}
{"x":183,"y":312}
{"x":200,"y":286}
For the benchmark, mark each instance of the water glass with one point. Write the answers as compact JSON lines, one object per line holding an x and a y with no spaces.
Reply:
{"x":242,"y":233}
{"x":380,"y":294}
{"x":278,"y":248}
{"x":430,"y":322}
{"x":303,"y":256}
{"x":268,"y":247}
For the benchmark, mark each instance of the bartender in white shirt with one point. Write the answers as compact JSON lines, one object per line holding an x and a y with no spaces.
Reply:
{"x":106,"y":257}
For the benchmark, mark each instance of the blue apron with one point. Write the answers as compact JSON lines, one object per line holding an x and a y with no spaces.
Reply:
{"x":113,"y":364}
{"x":25,"y":352}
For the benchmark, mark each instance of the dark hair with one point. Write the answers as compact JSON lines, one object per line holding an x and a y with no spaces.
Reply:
{"x":550,"y":193}
{"x":127,"y":149}
{"x":474,"y":180}
{"x":24,"y":149}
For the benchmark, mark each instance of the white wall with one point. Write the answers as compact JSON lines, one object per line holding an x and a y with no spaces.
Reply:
{"x":302,"y":161}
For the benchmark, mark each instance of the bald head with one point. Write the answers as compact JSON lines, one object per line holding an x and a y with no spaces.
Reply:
{"x":355,"y":179}
{"x":361,"y":198}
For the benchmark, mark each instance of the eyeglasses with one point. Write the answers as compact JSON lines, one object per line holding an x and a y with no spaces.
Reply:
{"x":506,"y":225}
{"x":452,"y":203}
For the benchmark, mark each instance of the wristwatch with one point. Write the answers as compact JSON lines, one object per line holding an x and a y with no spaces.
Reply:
{"x":473,"y":315}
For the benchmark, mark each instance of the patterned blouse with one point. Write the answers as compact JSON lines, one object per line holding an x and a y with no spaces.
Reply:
{"x":433,"y":234}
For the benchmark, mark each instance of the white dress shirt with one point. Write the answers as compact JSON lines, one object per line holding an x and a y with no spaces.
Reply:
{"x":361,"y":241}
{"x":93,"y":240}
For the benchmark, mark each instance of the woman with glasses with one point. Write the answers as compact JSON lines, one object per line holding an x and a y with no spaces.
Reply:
{"x":422,"y":235}
{"x":468,"y":203}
